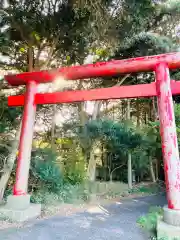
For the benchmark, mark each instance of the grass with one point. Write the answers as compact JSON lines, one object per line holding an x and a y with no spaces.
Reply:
{"x":151,"y":188}
{"x":149,"y":221}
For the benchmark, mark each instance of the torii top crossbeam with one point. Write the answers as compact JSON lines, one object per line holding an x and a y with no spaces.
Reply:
{"x":102,"y":69}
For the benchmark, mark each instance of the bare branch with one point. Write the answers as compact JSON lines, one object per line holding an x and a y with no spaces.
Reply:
{"x":111,"y":175}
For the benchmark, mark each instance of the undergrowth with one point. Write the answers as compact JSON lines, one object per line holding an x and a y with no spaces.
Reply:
{"x":149,"y":189}
{"x":67,"y":194}
{"x":49,"y":185}
{"x":149,"y":221}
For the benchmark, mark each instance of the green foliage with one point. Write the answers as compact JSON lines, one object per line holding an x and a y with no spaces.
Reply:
{"x":48,"y":181}
{"x":177,"y":114}
{"x":145,"y":44}
{"x":71,"y":28}
{"x":8,"y":116}
{"x":8,"y":192}
{"x":177,"y":118}
{"x":117,"y":138}
{"x":136,"y":17}
{"x":74,"y":165}
{"x":151,"y":189}
{"x":67,"y":194}
{"x":149,"y":221}
{"x":35,"y":25}
{"x":175,"y":75}
{"x":152,"y":139}
{"x":171,"y":6}
{"x":140,"y":161}
{"x":114,"y":135}
{"x":45,"y":171}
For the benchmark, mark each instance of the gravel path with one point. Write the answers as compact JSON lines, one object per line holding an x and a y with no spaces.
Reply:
{"x":110,"y":222}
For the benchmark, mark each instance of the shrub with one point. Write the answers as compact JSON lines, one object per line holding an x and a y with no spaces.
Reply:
{"x":74,"y":165}
{"x":45,"y":197}
{"x":48,"y":185}
{"x":45,"y":173}
{"x":67,"y":194}
{"x":150,"y":189}
{"x":149,"y":221}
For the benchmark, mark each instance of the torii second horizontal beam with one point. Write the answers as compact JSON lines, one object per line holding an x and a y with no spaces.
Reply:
{"x":118,"y":92}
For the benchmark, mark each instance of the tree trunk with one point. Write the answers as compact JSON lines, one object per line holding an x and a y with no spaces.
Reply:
{"x":30,"y":59}
{"x":153,"y":178}
{"x":81,"y":108}
{"x":91,"y":171}
{"x":82,"y":114}
{"x":92,"y":162}
{"x":129,"y":154}
{"x":53,"y":146}
{"x":97,"y":107}
{"x":9,"y":164}
{"x":157,"y":170}
{"x":111,"y":174}
{"x":138,"y":113}
{"x":129,"y":171}
{"x":154,"y":110}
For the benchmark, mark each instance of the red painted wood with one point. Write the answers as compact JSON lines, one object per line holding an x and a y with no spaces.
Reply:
{"x":163,"y":90}
{"x":168,"y":135}
{"x":101,"y":69}
{"x":25,"y":145}
{"x":133,"y":91}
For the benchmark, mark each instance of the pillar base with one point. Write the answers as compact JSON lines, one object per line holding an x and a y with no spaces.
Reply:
{"x":19,"y":209}
{"x":168,"y":228}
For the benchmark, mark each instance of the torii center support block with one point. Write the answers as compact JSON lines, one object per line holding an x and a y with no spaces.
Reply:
{"x":19,"y":209}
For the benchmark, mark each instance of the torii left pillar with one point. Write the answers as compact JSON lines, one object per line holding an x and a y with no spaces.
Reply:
{"x":18,"y":207}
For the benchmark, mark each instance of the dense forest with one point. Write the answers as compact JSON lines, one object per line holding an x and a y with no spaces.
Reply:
{"x":102,"y":141}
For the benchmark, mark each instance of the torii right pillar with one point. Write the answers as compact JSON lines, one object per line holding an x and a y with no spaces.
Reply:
{"x":169,"y":226}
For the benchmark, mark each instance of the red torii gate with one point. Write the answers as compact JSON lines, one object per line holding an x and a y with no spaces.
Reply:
{"x":163,"y":88}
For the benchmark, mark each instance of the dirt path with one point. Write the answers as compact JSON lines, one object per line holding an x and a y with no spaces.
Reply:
{"x":100,"y":222}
